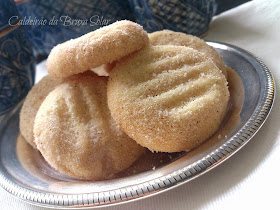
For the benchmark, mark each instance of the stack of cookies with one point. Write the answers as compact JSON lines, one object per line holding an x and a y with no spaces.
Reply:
{"x":166,"y":91}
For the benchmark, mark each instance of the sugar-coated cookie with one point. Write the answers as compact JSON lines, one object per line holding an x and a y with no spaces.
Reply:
{"x":75,"y":133}
{"x":168,"y":98}
{"x":166,"y":37}
{"x":32,"y":102}
{"x":99,"y":47}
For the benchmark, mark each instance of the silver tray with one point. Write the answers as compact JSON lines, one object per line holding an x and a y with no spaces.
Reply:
{"x":25,"y":174}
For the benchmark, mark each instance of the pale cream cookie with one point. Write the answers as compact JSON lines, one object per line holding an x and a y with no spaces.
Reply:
{"x":168,"y":98}
{"x":75,"y":133}
{"x":167,"y":37}
{"x":101,"y":46}
{"x":32,"y":102}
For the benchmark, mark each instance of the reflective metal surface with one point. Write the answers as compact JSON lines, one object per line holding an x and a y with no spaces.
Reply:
{"x":25,"y":174}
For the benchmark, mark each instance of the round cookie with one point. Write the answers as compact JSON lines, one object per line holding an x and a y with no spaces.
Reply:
{"x":75,"y":133}
{"x":168,"y":98}
{"x":99,"y":47}
{"x":167,"y":37}
{"x":32,"y":102}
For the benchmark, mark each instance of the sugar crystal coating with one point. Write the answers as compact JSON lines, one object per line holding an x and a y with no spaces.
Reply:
{"x":101,"y":46}
{"x":31,"y":105}
{"x":168,"y":98}
{"x":167,"y":37}
{"x":76,"y":134}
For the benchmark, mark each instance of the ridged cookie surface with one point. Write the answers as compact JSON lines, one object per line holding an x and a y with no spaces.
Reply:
{"x":99,"y":47}
{"x":167,"y":37}
{"x":168,"y":98}
{"x":76,"y":134}
{"x":32,"y":102}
